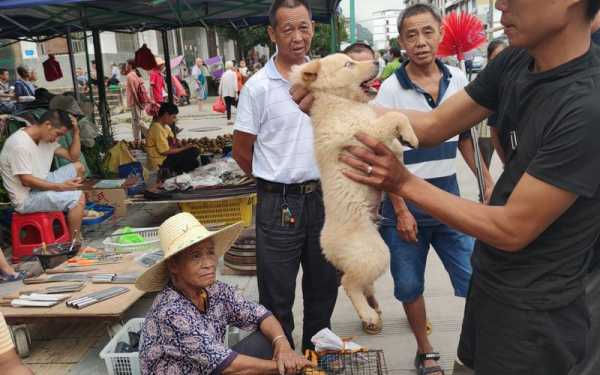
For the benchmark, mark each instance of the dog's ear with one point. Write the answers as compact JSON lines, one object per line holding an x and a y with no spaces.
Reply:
{"x":310,"y":71}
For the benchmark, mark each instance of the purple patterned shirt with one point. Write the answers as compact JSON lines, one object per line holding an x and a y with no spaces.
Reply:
{"x":177,"y":338}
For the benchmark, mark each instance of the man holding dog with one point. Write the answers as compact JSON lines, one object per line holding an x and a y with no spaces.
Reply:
{"x":423,"y":83}
{"x":273,"y":141}
{"x":526,"y":310}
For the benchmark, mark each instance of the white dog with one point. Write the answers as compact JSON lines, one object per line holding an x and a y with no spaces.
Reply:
{"x":350,"y":239}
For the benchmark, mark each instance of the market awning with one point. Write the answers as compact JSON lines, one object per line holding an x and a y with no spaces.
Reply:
{"x":44,"y":19}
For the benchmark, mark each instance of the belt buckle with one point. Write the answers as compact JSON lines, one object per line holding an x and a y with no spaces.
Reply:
{"x":308,"y":188}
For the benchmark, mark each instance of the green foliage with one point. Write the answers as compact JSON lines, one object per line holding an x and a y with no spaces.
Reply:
{"x":394,"y":43}
{"x":247,"y":38}
{"x":321,"y":43}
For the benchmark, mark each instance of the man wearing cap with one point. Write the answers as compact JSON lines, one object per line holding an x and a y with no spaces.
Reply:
{"x":184,"y":331}
{"x":87,"y":129}
{"x":25,"y":163}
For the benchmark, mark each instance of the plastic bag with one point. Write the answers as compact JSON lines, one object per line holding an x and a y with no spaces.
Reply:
{"x":219,"y":105}
{"x":144,"y":58}
{"x":130,"y":237}
{"x":326,"y":340}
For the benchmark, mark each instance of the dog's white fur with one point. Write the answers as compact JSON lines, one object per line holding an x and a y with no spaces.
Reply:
{"x":350,"y":239}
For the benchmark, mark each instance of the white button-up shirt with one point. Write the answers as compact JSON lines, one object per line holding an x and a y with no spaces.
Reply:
{"x":283,"y":150}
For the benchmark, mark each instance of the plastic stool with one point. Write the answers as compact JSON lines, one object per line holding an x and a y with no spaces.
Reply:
{"x":30,"y":230}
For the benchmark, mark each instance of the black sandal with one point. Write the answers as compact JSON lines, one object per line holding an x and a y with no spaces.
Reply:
{"x":420,"y":366}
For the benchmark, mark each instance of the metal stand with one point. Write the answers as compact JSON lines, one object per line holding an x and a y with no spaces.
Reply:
{"x":168,"y":75}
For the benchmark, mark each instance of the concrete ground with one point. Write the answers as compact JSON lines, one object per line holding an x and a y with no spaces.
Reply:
{"x":53,"y":353}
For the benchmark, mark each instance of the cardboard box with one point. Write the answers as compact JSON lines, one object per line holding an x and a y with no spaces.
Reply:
{"x":111,"y":197}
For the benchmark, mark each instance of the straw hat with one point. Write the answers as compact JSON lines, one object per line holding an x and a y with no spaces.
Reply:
{"x":160,"y":61}
{"x":178,"y":233}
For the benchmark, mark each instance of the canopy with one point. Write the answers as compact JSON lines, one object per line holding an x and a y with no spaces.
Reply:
{"x":39,"y":20}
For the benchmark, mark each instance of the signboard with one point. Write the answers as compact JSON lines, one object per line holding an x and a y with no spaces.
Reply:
{"x":29,"y":50}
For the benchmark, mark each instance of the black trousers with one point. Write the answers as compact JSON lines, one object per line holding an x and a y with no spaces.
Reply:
{"x":182,"y":162}
{"x":498,"y":339}
{"x":280,"y":250}
{"x":255,"y":345}
{"x":591,"y":362}
{"x":229,"y":101}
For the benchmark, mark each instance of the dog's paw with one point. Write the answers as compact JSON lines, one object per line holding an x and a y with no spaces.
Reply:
{"x":407,"y":135}
{"x":372,"y":322}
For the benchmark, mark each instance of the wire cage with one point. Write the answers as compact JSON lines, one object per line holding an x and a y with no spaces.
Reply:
{"x":371,"y":362}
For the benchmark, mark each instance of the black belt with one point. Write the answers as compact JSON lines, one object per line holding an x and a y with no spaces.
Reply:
{"x":306,"y":187}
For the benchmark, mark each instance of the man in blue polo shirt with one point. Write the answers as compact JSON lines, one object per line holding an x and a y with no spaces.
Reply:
{"x":422,"y":83}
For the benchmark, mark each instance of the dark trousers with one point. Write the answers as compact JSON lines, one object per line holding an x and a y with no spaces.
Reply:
{"x":591,"y":362}
{"x":498,"y":339}
{"x":255,"y":345}
{"x":229,"y":101}
{"x":182,"y":162}
{"x":280,"y":250}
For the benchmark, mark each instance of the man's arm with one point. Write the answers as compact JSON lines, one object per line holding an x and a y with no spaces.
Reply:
{"x":39,"y":184}
{"x":531,"y":208}
{"x":74,"y":152}
{"x":173,"y":151}
{"x":406,"y":224}
{"x":465,"y":145}
{"x":243,"y":150}
{"x":455,"y":115}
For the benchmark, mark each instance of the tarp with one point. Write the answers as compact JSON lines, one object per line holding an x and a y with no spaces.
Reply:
{"x":43,"y":19}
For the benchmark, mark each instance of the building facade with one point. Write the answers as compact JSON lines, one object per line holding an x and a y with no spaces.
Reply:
{"x":383,"y":26}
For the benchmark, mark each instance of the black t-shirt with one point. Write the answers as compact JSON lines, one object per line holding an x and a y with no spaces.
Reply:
{"x":556,"y":117}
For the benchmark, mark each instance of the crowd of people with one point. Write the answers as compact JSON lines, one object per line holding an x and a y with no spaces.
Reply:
{"x":524,"y":259}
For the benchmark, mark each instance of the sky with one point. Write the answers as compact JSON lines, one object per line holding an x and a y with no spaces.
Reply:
{"x":365,"y":8}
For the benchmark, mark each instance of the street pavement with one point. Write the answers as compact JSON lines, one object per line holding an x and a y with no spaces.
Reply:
{"x":444,"y":310}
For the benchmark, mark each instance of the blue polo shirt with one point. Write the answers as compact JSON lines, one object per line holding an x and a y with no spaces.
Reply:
{"x":437,"y":165}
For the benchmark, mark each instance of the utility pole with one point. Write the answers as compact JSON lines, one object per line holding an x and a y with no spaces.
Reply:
{"x":491,"y":20}
{"x":352,"y":22}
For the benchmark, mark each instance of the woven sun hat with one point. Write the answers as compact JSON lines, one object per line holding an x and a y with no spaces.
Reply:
{"x":178,"y":233}
{"x":160,"y":61}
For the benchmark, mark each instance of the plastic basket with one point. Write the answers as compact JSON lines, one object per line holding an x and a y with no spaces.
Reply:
{"x":227,"y":210}
{"x":107,"y":210}
{"x":123,"y":363}
{"x":150,"y":235}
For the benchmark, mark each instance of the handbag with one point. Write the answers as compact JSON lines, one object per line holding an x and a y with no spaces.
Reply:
{"x":219,"y":105}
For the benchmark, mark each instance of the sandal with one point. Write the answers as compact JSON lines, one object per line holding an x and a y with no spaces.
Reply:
{"x":420,"y":363}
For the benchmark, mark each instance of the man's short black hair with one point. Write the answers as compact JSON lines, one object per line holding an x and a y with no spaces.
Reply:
{"x":58,"y":119}
{"x":169,"y":108}
{"x":358,"y":47}
{"x":395,"y":52}
{"x":593,"y":6}
{"x":22,"y":71}
{"x":413,"y":10}
{"x":278,"y":4}
{"x":3,"y":70}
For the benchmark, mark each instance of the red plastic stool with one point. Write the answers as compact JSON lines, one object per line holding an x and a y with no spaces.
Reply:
{"x":30,"y":230}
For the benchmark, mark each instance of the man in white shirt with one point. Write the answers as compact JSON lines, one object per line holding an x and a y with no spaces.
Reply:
{"x":273,"y":141}
{"x":25,"y":163}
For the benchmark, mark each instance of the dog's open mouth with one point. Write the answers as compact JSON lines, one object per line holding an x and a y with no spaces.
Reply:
{"x":367,"y":86}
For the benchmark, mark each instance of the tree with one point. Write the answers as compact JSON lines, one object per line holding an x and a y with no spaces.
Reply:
{"x":321,"y":43}
{"x":247,"y":38}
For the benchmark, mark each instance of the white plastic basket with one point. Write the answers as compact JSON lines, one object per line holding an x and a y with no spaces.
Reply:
{"x":123,"y":363}
{"x":150,"y":235}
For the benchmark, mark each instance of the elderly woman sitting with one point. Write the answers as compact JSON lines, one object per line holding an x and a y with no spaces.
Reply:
{"x":185,"y":329}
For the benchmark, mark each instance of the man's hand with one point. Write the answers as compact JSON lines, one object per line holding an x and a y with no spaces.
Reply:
{"x":74,"y":123}
{"x":387,"y":172}
{"x":407,"y":226}
{"x":288,"y":361}
{"x":302,"y":97}
{"x":74,"y":184}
